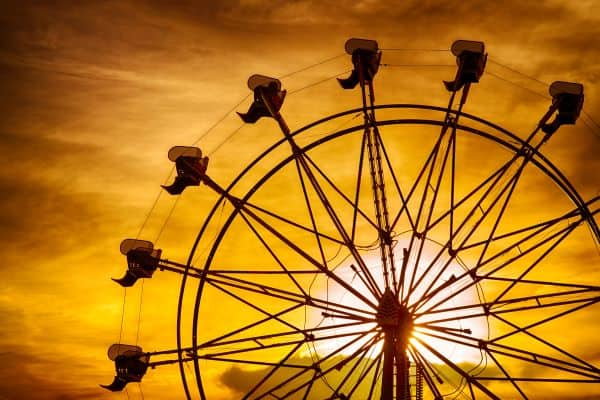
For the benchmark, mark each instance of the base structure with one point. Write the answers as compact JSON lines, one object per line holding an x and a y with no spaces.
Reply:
{"x":396,"y":323}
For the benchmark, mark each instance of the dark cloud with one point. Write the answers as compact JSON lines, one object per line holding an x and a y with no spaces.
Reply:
{"x":19,"y":381}
{"x":30,"y":371}
{"x":241,"y":380}
{"x":44,"y":203}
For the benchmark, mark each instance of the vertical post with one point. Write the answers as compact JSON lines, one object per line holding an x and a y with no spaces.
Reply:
{"x":395,"y":374}
{"x":402,"y":371}
{"x":387,"y":378}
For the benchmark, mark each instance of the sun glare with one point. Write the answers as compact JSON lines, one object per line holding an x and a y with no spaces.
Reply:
{"x":453,"y":313}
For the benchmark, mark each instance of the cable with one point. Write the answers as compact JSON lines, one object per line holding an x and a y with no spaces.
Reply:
{"x":311,"y":66}
{"x":518,"y":72}
{"x":236,"y":130}
{"x":591,"y":128}
{"x":416,"y":65}
{"x":318,"y":82}
{"x":137,"y":336}
{"x":532,"y":78}
{"x":416,"y":50}
{"x":217,"y":230}
{"x":154,"y":204}
{"x":213,"y":126}
{"x":517,"y":85}
{"x":591,"y":119}
{"x":248,"y":95}
{"x":162,"y":228}
{"x":290,"y":93}
{"x":122,"y":314}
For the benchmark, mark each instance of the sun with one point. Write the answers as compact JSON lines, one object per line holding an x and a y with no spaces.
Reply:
{"x":460,"y":300}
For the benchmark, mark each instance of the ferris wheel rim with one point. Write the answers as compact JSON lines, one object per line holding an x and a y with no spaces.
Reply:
{"x":540,"y":161}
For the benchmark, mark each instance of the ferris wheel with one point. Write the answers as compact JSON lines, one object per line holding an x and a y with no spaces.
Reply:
{"x":403,"y":256}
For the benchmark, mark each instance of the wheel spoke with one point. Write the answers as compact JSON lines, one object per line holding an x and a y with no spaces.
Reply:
{"x":427,"y":369}
{"x":376,"y":376}
{"x":357,"y":353}
{"x":586,"y":303}
{"x":350,"y":373}
{"x":403,"y":199}
{"x":315,"y":367}
{"x":425,"y":210}
{"x":361,"y":378}
{"x":273,"y":292}
{"x":516,"y":353}
{"x":272,"y":253}
{"x":527,"y":300}
{"x":303,"y":167}
{"x":553,"y":239}
{"x":359,"y":175}
{"x":309,"y":258}
{"x":457,"y":369}
{"x":466,"y":235}
{"x":251,"y":305}
{"x":352,"y":203}
{"x":507,"y":375}
{"x":273,"y":370}
{"x":239,"y":353}
{"x":543,"y":341}
{"x":220,"y":341}
{"x":294,"y":224}
{"x":531,"y":307}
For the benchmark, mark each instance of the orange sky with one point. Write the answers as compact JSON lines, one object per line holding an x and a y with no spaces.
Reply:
{"x":95,"y":93}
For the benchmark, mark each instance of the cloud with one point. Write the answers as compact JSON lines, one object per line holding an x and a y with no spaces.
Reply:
{"x":28,"y":371}
{"x":241,"y":380}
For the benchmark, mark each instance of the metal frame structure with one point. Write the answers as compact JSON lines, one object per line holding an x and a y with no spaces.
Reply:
{"x":378,"y":352}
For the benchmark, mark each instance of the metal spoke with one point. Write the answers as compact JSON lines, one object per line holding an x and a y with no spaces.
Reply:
{"x":300,"y":158}
{"x":388,"y":162}
{"x":587,"y":303}
{"x":357,"y":210}
{"x":541,"y":340}
{"x":273,"y":370}
{"x":497,"y":305}
{"x":357,"y":353}
{"x":427,"y":368}
{"x":506,"y":374}
{"x":220,"y":341}
{"x":272,"y":253}
{"x":365,"y":372}
{"x":457,"y":369}
{"x":273,"y":292}
{"x":251,"y":305}
{"x":557,"y":236}
{"x":293,"y":223}
{"x":358,"y":187}
{"x":261,"y":347}
{"x":515,"y":353}
{"x":509,"y":186}
{"x":350,"y":373}
{"x":376,"y":376}
{"x":315,"y":366}
{"x":486,"y":310}
{"x":310,"y":212}
{"x":301,"y":252}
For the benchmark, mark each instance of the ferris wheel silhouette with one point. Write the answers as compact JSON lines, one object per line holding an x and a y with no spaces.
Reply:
{"x":341,"y":272}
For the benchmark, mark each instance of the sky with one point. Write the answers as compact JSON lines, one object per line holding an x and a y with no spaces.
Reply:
{"x":95,"y":93}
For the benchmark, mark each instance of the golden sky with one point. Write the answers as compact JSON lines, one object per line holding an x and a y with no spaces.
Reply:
{"x":95,"y":93}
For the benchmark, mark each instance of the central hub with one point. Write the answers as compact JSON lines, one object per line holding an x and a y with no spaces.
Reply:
{"x":393,"y":316}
